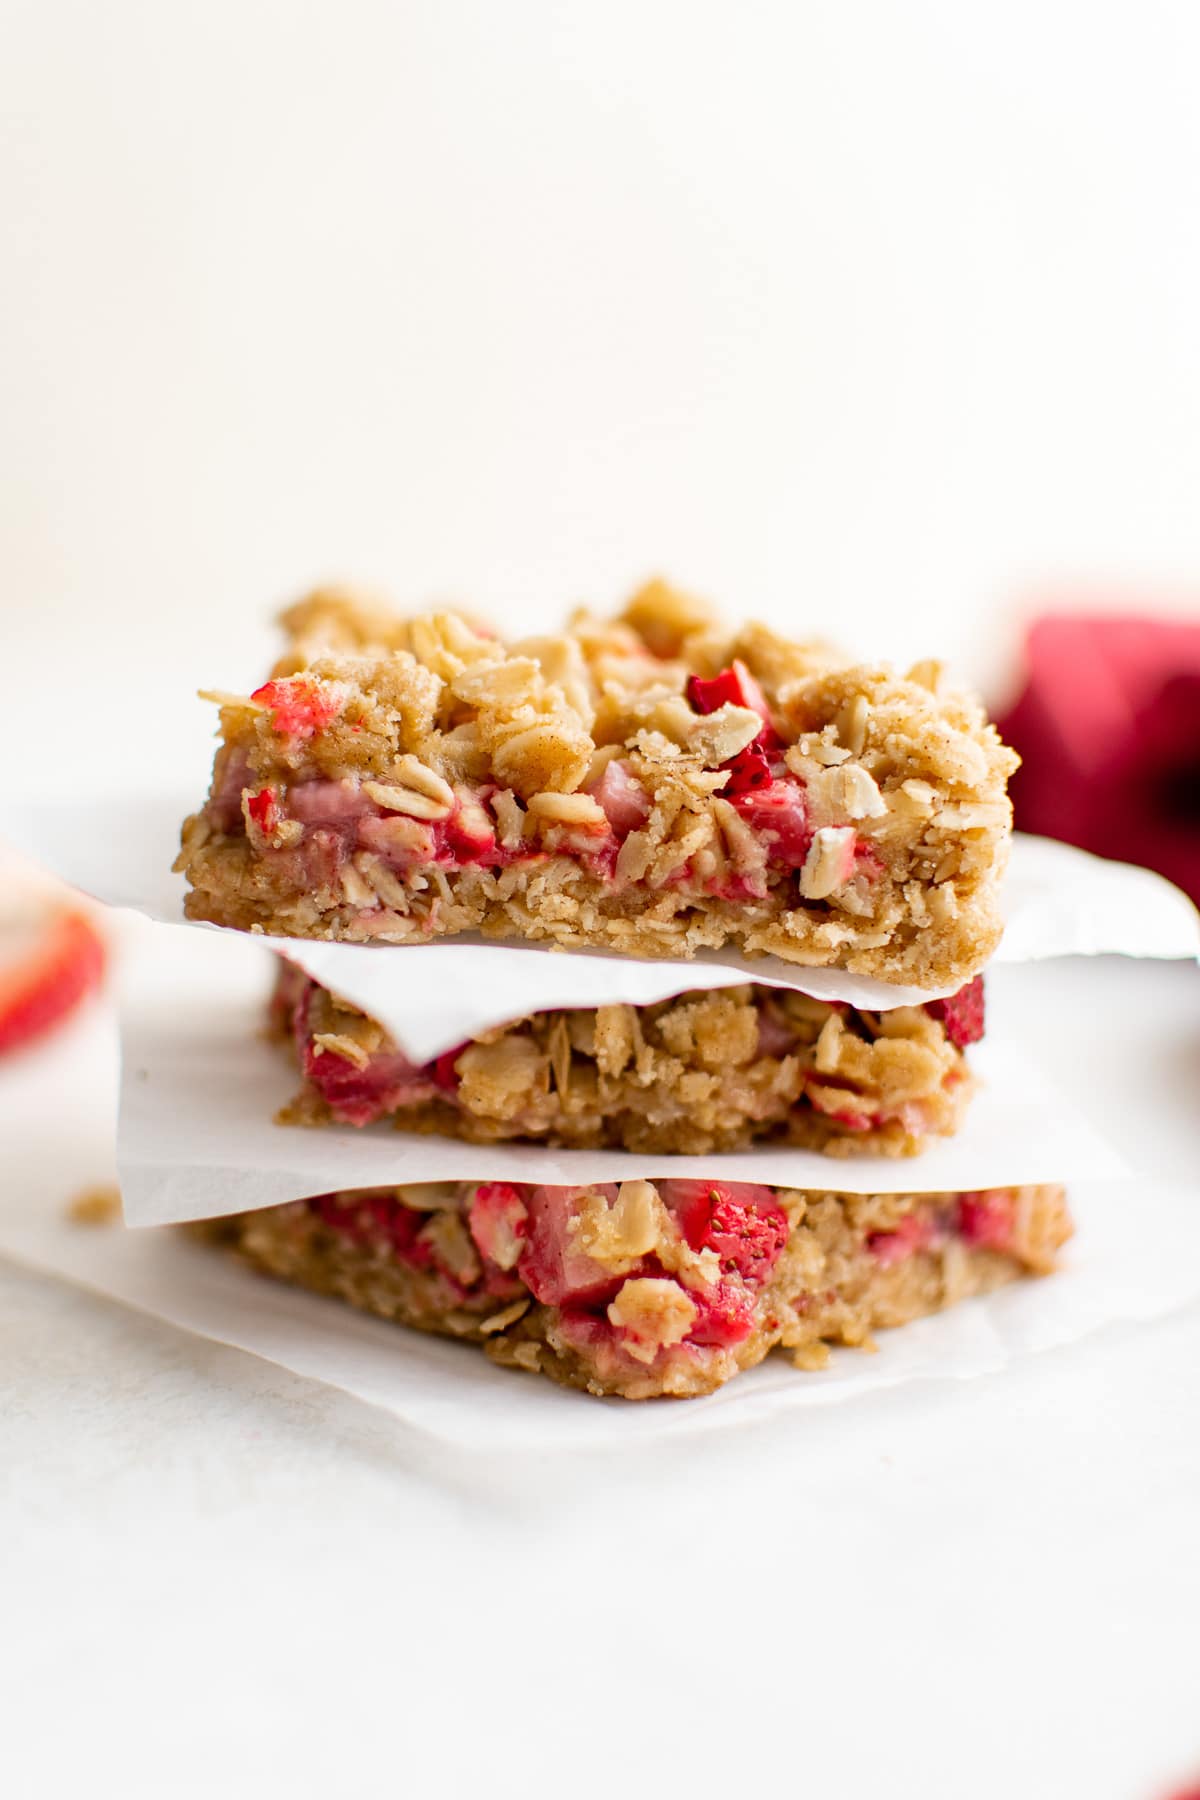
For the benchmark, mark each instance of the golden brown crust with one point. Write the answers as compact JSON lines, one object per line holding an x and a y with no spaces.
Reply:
{"x":705,"y":1071}
{"x":427,"y":722}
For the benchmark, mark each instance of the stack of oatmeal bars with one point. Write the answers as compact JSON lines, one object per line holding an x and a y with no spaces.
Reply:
{"x":654,"y":785}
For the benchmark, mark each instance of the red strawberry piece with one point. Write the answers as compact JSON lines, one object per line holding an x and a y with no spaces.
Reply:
{"x":742,"y":1222}
{"x":748,"y":770}
{"x":552,"y":1265}
{"x":369,"y":1217}
{"x":469,"y":833}
{"x":360,"y":1096}
{"x":778,"y":812}
{"x":868,"y":862}
{"x":499,"y":1222}
{"x":624,"y":800}
{"x":328,"y":802}
{"x":47,"y":976}
{"x":734,"y":686}
{"x":299,"y":704}
{"x":961,"y":1014}
{"x":986,"y":1219}
{"x":913,"y":1233}
{"x":724,"y":1314}
{"x":601,"y":863}
{"x":352,"y":1220}
{"x":444,"y":1072}
{"x":263,"y":808}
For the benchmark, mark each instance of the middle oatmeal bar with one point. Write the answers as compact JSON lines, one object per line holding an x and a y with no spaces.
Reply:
{"x":706,"y":1071}
{"x":649,"y":785}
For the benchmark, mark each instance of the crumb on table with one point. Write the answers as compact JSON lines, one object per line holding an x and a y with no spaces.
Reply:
{"x":95,"y":1206}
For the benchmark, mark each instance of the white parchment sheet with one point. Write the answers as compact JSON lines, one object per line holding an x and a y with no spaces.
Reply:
{"x":1135,"y":1258}
{"x":200,"y":1086}
{"x":430,"y":997}
{"x":1111,"y":1274}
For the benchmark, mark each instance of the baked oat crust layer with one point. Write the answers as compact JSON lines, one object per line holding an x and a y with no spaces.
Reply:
{"x":683,"y":1308}
{"x":652,"y":785}
{"x":705,"y":1071}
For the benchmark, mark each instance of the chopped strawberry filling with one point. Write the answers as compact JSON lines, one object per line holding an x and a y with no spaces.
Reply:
{"x":552,"y":1264}
{"x":299,"y":704}
{"x":724,"y":1314}
{"x":778,"y":812}
{"x":468,"y":835}
{"x":263,"y":808}
{"x":742,"y":1222}
{"x":914,"y":1232}
{"x":734,"y":686}
{"x":868,"y":862}
{"x":360,"y":1096}
{"x":445,"y":1074}
{"x":499,"y":1222}
{"x":366,"y":1217}
{"x":624,"y":800}
{"x":986,"y":1220}
{"x":962,"y":1014}
{"x":370,"y":1218}
{"x":357,"y":1095}
{"x":748,"y":770}
{"x":328,"y":802}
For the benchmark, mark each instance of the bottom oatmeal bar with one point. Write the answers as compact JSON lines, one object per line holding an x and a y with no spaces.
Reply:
{"x":648,"y":1289}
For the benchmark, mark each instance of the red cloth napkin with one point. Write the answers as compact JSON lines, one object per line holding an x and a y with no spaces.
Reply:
{"x":1108,"y":729}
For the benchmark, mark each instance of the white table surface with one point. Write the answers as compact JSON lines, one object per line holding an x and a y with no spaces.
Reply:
{"x":223,"y":1579}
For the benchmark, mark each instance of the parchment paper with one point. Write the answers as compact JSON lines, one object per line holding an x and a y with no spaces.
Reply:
{"x":200,"y":1087}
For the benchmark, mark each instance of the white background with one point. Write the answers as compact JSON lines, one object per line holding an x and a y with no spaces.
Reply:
{"x":872,"y":318}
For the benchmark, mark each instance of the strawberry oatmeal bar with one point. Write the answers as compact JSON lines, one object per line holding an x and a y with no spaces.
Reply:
{"x":702,"y":1072}
{"x":650,"y":785}
{"x":646,"y":1289}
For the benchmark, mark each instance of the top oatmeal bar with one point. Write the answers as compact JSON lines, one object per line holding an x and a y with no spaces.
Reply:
{"x":652,"y":784}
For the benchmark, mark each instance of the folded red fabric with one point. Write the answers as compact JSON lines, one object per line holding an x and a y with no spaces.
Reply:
{"x":1108,"y":729}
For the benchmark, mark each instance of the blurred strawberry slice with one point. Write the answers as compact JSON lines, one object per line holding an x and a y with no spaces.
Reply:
{"x":45,"y":971}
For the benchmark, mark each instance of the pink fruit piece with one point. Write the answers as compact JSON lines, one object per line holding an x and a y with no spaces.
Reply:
{"x":469,"y":834}
{"x":443,"y":1070}
{"x":263,"y":808}
{"x":48,"y":979}
{"x":961,"y":1014}
{"x":622,"y":797}
{"x":986,"y":1219}
{"x":748,"y":770}
{"x":499,"y":1222}
{"x":724,"y":1314}
{"x":734,"y":686}
{"x":299,"y":705}
{"x":778,"y":813}
{"x":368,"y":1217}
{"x":742,"y":1222}
{"x":552,"y":1265}
{"x":913,"y":1233}
{"x":327,"y":802}
{"x":360,"y":1096}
